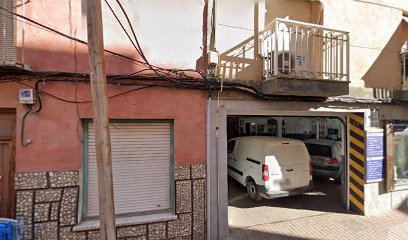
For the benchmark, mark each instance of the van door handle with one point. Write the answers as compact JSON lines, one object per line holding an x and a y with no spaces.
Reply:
{"x":289,"y":170}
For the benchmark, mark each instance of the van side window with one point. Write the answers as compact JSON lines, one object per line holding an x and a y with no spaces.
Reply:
{"x":231,"y":145}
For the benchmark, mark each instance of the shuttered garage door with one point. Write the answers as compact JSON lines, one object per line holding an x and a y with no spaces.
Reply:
{"x":140,"y":164}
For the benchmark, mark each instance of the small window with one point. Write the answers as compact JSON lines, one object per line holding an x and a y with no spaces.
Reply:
{"x":319,"y":150}
{"x":230,"y":146}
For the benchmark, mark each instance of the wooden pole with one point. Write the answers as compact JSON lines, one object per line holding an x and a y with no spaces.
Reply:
{"x":101,"y":120}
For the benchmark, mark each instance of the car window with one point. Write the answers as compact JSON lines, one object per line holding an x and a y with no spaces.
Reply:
{"x":319,"y":150}
{"x":230,"y":146}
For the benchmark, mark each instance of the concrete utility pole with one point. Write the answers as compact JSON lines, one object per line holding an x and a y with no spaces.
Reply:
{"x":101,"y":120}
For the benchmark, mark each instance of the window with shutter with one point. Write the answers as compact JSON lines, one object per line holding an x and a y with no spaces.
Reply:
{"x":142,"y":168}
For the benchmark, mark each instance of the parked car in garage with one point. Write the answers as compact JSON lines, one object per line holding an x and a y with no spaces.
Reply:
{"x":269,"y":167}
{"x":327,"y":158}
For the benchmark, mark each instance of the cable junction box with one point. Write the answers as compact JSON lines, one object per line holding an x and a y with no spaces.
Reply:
{"x":26,"y":96}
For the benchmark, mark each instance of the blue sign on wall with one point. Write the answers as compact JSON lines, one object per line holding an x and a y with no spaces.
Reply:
{"x":374,"y":156}
{"x":400,"y":126}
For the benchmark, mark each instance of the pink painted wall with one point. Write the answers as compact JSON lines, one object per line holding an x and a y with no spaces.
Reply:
{"x":170,"y":33}
{"x":56,"y":145}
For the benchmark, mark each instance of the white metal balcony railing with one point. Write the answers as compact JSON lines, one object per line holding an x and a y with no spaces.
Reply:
{"x":293,"y":49}
{"x":404,"y":68}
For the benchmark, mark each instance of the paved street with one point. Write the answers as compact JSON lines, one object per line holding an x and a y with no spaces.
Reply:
{"x":316,"y":215}
{"x":393,"y":225}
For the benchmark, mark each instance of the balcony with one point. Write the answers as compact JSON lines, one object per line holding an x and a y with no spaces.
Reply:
{"x":304,"y":59}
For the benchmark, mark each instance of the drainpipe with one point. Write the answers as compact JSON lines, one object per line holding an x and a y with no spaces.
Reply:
{"x":208,"y":162}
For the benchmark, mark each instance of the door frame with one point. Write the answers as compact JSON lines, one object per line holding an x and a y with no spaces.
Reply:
{"x":12,"y":163}
{"x":217,"y":113}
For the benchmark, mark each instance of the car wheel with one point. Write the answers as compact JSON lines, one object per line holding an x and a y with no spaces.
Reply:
{"x":253,"y":191}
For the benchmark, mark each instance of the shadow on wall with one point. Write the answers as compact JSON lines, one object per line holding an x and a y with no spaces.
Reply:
{"x":403,"y":207}
{"x":241,"y":62}
{"x":385,"y":72}
{"x":43,"y":60}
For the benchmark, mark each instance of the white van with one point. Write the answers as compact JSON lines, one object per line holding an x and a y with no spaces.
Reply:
{"x":269,"y":167}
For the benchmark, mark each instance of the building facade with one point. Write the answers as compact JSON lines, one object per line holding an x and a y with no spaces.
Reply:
{"x":306,"y":62}
{"x":310,"y":63}
{"x":157,"y":122}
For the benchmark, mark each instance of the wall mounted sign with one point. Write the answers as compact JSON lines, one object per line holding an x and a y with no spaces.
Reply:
{"x":375,"y":155}
{"x":400,"y":126}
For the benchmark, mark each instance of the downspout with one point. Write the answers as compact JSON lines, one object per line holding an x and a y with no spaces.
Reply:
{"x":211,"y":47}
{"x":208,"y":160}
{"x":217,"y":135}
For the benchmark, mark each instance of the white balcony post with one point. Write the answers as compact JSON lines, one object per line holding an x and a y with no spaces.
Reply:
{"x":275,"y":62}
{"x":348,"y":57}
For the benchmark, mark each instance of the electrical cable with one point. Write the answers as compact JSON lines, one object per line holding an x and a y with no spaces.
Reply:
{"x":23,"y":144}
{"x":121,"y":25}
{"x":155,"y":69}
{"x":139,"y":49}
{"x":67,"y":36}
{"x":30,"y":111}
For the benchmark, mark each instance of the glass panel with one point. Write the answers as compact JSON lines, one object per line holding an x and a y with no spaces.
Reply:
{"x":5,"y":125}
{"x":401,"y":158}
{"x":319,"y":150}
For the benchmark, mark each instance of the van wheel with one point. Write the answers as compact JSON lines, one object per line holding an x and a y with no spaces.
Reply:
{"x":253,"y":191}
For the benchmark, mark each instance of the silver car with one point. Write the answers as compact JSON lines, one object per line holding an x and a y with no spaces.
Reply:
{"x":327,"y":158}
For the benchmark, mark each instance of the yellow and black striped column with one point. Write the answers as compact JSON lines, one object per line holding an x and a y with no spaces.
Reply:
{"x":357,"y":162}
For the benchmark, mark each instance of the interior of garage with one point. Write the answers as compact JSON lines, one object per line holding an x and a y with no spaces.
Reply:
{"x":326,"y":194}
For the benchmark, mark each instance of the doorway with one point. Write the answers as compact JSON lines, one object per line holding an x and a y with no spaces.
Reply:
{"x":324,"y":137}
{"x":7,"y":162}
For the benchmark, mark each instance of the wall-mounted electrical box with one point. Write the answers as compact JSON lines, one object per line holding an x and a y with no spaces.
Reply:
{"x":26,"y":96}
{"x":212,"y":58}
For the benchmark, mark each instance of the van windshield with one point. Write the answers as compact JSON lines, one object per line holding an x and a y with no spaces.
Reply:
{"x":319,"y":150}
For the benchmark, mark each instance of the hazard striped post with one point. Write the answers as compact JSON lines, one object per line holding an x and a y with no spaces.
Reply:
{"x":356,"y":162}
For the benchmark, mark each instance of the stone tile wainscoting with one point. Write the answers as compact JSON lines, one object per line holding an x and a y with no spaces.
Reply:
{"x":48,"y":203}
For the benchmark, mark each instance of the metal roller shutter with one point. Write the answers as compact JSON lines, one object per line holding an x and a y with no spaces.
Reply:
{"x":140,"y":164}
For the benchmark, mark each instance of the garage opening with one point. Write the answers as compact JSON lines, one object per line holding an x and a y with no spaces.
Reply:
{"x":284,"y":167}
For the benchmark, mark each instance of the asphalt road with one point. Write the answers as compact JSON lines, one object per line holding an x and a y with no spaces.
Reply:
{"x":243,"y":212}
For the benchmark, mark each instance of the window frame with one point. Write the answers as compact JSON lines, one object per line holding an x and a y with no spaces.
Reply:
{"x":399,"y":184}
{"x":83,"y":201}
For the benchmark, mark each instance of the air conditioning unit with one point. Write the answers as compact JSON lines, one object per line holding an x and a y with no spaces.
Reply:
{"x":285,"y":60}
{"x":298,"y":63}
{"x":8,"y":50}
{"x":7,"y":34}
